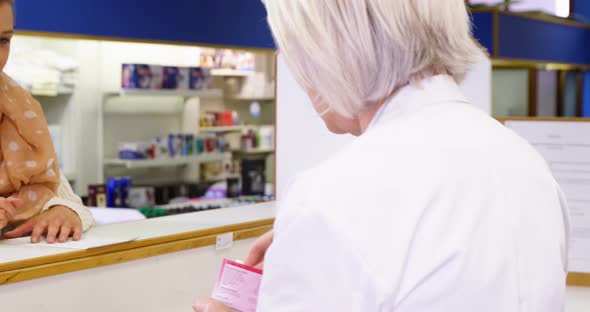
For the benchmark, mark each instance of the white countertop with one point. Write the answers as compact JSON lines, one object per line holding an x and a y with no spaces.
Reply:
{"x":153,"y":228}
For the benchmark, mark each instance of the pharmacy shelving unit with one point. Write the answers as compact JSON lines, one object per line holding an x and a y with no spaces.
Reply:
{"x":163,"y":162}
{"x":140,"y":114}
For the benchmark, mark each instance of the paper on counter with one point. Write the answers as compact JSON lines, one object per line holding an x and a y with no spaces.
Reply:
{"x":103,"y":216}
{"x":83,"y":244}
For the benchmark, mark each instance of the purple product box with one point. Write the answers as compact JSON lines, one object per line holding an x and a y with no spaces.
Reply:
{"x":175,"y":78}
{"x":141,"y":76}
{"x":131,"y":151}
{"x":200,"y":78}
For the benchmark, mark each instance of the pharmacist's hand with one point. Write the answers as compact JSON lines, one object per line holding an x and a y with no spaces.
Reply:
{"x":210,"y":305}
{"x":8,"y":207}
{"x":256,"y":254}
{"x":58,"y":222}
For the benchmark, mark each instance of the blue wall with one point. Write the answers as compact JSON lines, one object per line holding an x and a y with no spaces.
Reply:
{"x":216,"y":22}
{"x":586,"y":95}
{"x":532,"y":39}
{"x":582,"y":10}
{"x":525,"y":38}
{"x":483,"y":29}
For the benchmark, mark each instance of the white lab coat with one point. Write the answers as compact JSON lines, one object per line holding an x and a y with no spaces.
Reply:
{"x":436,"y":207}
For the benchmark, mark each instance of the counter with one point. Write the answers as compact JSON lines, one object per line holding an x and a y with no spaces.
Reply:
{"x":154,"y":237}
{"x":174,"y":263}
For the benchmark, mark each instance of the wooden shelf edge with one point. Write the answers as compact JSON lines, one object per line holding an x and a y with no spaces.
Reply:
{"x":509,"y":63}
{"x":578,"y":279}
{"x":553,"y":119}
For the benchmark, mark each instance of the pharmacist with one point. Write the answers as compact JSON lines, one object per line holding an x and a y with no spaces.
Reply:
{"x":436,"y":206}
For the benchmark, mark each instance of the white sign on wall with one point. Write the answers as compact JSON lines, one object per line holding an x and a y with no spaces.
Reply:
{"x":566,"y":148}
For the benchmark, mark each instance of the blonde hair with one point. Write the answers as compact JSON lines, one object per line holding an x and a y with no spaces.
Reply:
{"x":356,"y":53}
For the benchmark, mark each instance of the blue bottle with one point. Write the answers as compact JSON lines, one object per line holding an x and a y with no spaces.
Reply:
{"x":172,"y":145}
{"x":113,"y":191}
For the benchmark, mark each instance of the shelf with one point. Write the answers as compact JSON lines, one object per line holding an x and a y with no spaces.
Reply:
{"x":231,"y":73}
{"x":164,"y":162}
{"x":222,"y":178}
{"x":211,"y":93}
{"x":147,"y":163}
{"x":256,"y":151}
{"x":226,"y":129}
{"x":61,"y":90}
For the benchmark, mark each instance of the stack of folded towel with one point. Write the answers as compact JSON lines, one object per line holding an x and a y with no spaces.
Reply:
{"x":42,"y":71}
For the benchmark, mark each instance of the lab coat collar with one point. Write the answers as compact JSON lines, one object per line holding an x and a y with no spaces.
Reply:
{"x":416,"y":96}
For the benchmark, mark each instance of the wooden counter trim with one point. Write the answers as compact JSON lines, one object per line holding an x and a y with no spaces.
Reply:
{"x":68,"y":256}
{"x":120,"y":256}
{"x":578,"y":279}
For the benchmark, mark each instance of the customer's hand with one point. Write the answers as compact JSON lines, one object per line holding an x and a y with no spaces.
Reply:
{"x":8,"y":207}
{"x":58,"y":222}
{"x":210,"y":305}
{"x":256,"y":254}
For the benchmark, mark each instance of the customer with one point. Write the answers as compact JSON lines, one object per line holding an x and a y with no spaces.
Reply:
{"x":435,"y":206}
{"x":34,"y":197}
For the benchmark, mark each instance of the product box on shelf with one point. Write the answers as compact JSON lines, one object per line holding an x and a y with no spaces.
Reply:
{"x":172,"y":146}
{"x":155,"y":77}
{"x":117,"y":189}
{"x":164,"y":194}
{"x":141,"y":76}
{"x":97,"y":195}
{"x":137,"y":150}
{"x":228,"y":59}
{"x":175,"y":78}
{"x":219,"y":119}
{"x":142,"y":196}
{"x":200,"y":78}
{"x":253,"y":176}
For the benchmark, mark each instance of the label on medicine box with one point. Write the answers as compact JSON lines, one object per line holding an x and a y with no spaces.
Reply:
{"x":237,"y":286}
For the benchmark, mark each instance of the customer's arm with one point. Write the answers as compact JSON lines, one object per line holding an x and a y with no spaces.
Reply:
{"x":66,"y":197}
{"x":63,"y":216}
